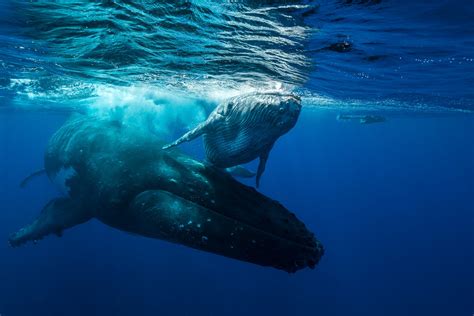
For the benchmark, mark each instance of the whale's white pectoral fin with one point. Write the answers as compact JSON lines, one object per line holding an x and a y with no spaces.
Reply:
{"x":192,"y":134}
{"x":262,"y":164}
{"x":57,"y":215}
{"x":241,"y":172}
{"x":202,"y":128}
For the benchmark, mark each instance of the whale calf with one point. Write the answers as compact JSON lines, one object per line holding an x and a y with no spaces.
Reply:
{"x":245,"y":128}
{"x":121,"y":176}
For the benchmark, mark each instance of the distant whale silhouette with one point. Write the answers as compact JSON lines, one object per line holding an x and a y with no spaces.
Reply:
{"x":363,"y":119}
{"x":122,"y":177}
{"x":245,"y":128}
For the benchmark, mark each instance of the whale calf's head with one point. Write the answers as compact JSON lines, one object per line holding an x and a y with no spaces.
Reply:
{"x":271,"y":114}
{"x":289,"y":108}
{"x":278,"y":112}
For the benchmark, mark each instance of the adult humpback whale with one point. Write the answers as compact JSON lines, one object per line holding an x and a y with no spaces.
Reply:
{"x":121,"y":176}
{"x":245,"y":128}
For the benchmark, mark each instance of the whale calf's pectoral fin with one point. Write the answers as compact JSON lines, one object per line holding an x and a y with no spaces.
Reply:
{"x":262,"y":164}
{"x":241,"y":172}
{"x":30,"y":177}
{"x":57,"y":215}
{"x":192,"y":134}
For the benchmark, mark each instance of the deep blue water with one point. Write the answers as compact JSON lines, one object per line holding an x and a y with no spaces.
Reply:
{"x":393,"y":202}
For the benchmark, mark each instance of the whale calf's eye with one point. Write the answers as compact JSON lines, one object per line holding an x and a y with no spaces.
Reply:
{"x":281,"y":110}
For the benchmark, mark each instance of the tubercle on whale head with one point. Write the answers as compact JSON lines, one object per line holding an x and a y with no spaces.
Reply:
{"x":294,"y":103}
{"x":289,"y":111}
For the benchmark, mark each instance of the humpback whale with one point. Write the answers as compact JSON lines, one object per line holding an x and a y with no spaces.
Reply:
{"x":245,"y":128}
{"x":121,"y":176}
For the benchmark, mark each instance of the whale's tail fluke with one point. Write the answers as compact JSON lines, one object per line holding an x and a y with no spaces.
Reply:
{"x":57,"y":215}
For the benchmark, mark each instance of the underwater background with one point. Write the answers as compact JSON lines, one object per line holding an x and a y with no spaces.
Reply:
{"x":392,"y":202}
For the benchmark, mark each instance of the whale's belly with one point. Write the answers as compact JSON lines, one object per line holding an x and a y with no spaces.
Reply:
{"x":230,"y":146}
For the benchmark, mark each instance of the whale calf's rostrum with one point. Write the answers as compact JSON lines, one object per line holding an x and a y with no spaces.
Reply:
{"x":121,"y":176}
{"x":245,"y":128}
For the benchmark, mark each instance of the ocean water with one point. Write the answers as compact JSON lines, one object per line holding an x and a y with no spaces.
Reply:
{"x":392,"y":202}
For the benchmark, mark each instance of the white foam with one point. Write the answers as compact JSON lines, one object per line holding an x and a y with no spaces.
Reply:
{"x":162,"y":111}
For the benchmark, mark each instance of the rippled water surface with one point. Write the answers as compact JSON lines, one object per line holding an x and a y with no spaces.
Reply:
{"x":366,"y":55}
